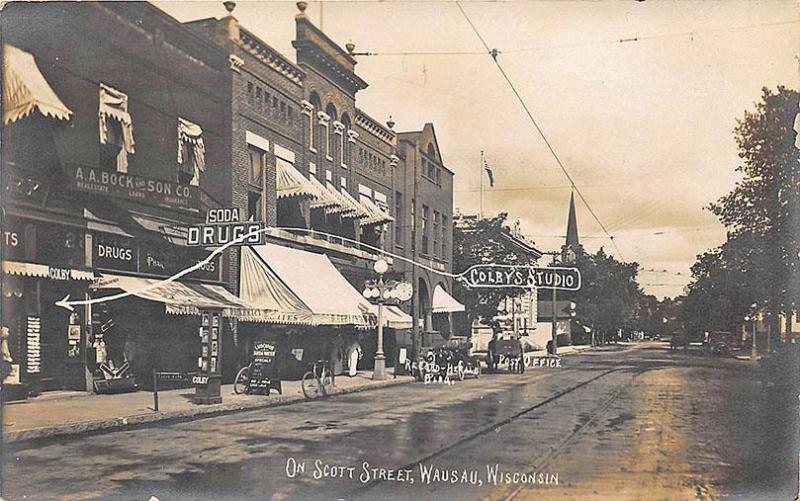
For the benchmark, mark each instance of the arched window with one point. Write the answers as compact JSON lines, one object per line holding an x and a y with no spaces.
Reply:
{"x":345,"y":160}
{"x":431,"y":151}
{"x":312,"y":119}
{"x":330,"y":110}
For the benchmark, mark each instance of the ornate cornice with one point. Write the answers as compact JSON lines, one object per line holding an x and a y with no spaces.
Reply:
{"x":270,"y":57}
{"x":371,"y":125}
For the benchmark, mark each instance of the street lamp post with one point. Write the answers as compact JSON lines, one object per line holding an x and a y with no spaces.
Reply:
{"x":379,"y":372}
{"x":380,"y":292}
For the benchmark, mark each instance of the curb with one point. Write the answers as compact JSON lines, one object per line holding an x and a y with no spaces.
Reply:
{"x":141,"y":420}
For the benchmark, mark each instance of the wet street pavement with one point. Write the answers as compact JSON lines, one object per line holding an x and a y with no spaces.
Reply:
{"x":635,"y":422}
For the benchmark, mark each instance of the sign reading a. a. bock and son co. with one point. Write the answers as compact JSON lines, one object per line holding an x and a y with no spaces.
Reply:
{"x":137,"y":188}
{"x":503,"y":276}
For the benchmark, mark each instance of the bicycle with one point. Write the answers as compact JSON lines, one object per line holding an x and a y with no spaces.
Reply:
{"x":241,"y":385}
{"x":318,"y":382}
{"x":242,"y":382}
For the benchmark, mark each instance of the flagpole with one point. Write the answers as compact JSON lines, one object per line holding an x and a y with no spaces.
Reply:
{"x":482,"y":174}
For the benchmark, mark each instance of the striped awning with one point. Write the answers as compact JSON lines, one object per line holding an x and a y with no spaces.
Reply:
{"x":44,"y":271}
{"x":291,"y":183}
{"x":344,"y":207}
{"x":376,"y":214}
{"x":323,"y":198}
{"x":361,"y":211}
{"x":180,"y":298}
{"x":25,"y":88}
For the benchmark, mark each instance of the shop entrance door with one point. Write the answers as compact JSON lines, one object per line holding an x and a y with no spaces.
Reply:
{"x":62,"y":365}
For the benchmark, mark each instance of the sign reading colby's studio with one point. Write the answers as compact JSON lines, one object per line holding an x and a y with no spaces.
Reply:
{"x":498,"y":276}
{"x":131,"y":187}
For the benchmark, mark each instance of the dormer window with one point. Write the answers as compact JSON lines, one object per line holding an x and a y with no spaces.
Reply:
{"x":116,"y":129}
{"x":191,"y":152}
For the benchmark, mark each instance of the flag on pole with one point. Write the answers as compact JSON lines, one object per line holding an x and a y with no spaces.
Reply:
{"x":489,"y":173}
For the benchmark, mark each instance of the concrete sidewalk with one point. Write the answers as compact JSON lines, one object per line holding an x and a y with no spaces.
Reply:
{"x":68,"y":413}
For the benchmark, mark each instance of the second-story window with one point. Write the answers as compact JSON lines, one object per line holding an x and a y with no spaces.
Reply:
{"x":426,"y":212}
{"x":116,"y":129}
{"x":444,"y":238}
{"x":257,"y":162}
{"x":191,"y":152}
{"x":435,"y":233}
{"x":398,"y":218}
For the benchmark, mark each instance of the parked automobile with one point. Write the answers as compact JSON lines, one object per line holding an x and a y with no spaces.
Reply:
{"x":720,"y":343}
{"x":679,"y":340}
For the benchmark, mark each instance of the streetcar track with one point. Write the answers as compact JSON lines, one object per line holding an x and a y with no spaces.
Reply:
{"x":482,"y":431}
{"x":599,"y":411}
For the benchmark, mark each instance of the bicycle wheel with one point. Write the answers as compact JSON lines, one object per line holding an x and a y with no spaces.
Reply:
{"x":327,"y":383}
{"x":242,"y":380}
{"x":311,"y":386}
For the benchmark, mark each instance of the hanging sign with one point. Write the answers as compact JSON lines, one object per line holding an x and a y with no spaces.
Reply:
{"x":499,"y":276}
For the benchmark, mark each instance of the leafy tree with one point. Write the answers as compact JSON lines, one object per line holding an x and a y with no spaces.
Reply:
{"x":481,"y":241}
{"x":609,"y":293}
{"x":759,"y":261}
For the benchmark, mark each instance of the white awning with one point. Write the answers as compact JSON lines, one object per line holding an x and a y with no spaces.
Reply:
{"x":261,"y":287}
{"x":444,"y":302}
{"x":25,"y":88}
{"x":179,"y":298}
{"x":324,"y":199}
{"x":317,"y":283}
{"x":45,"y":271}
{"x":191,"y":134}
{"x":377,"y":215}
{"x":394,"y":317}
{"x":344,"y":207}
{"x":291,"y":183}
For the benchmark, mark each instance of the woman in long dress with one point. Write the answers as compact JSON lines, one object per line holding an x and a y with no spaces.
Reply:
{"x":355,"y":354}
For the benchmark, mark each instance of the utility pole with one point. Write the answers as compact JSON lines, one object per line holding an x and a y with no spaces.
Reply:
{"x":480,"y":170}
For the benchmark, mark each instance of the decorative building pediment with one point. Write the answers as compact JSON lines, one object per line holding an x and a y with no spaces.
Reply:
{"x":394,"y":160}
{"x":338,"y":127}
{"x":323,"y":117}
{"x":308,"y":108}
{"x":352,"y":135}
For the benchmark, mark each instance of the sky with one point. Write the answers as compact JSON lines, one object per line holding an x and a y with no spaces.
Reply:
{"x":644,"y":126}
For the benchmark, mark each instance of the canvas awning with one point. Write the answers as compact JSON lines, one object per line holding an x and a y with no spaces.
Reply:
{"x":394,"y":317}
{"x":314,"y":281}
{"x":444,"y":302}
{"x":291,"y":183}
{"x":192,"y":134}
{"x":179,"y":298}
{"x":344,"y":207}
{"x":376,"y":216}
{"x":324,"y":199}
{"x":44,"y":271}
{"x":361,"y":212}
{"x":25,"y":88}
{"x":262,"y":288}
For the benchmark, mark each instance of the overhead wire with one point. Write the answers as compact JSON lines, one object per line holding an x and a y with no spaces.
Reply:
{"x":494,"y":53}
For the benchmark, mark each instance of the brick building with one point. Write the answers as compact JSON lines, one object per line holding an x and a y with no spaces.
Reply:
{"x":130,"y":125}
{"x":115,"y":140}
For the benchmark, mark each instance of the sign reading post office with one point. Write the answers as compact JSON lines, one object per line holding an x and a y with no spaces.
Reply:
{"x":499,"y":276}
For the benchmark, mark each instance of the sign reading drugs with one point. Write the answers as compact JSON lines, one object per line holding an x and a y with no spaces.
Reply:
{"x":223,"y":226}
{"x":498,"y":276}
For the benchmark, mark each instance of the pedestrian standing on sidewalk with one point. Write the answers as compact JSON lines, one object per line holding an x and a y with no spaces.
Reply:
{"x":354,"y":355}
{"x":5,"y":354}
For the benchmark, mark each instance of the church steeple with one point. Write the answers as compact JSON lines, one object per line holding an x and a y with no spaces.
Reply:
{"x":572,"y":245}
{"x":572,"y":225}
